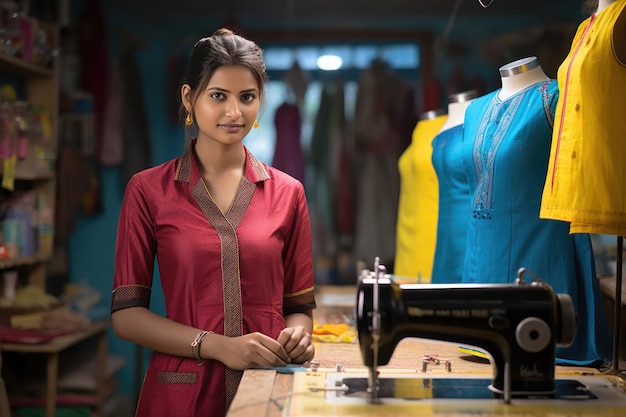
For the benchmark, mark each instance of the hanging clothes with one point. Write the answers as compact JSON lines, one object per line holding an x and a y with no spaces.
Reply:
{"x":137,"y":148}
{"x":326,"y":141}
{"x":587,"y":174}
{"x":432,"y":95}
{"x":344,"y":195}
{"x":94,"y":63}
{"x":288,"y":154}
{"x":416,"y":227}
{"x":112,"y":148}
{"x":72,"y":182}
{"x":298,"y":82}
{"x":380,"y":138}
{"x":505,"y":152}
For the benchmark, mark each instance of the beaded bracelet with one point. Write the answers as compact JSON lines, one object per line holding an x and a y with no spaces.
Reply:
{"x":195,"y":346}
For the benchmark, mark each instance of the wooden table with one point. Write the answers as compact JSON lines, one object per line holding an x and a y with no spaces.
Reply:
{"x":265,"y":393}
{"x":54,"y":347}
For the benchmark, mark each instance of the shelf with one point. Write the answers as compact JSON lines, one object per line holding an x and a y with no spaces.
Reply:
{"x":68,"y":399}
{"x":24,"y":261}
{"x":39,"y":86}
{"x":53,"y":348}
{"x":19,"y":67}
{"x":36,"y":84}
{"x":34,"y":177}
{"x":78,"y":117}
{"x":60,"y":343}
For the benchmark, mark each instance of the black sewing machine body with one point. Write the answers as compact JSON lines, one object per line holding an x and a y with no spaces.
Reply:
{"x":519,"y":325}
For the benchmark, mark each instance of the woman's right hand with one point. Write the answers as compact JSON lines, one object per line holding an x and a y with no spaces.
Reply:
{"x":247,"y":351}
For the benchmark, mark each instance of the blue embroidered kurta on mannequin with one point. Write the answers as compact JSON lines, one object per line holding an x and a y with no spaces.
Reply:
{"x":506,"y":146}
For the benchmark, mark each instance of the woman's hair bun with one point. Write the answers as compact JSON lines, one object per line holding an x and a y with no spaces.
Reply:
{"x":223,"y":32}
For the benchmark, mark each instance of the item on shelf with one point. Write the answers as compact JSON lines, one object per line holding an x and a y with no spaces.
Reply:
{"x":45,"y":230}
{"x":32,"y":296}
{"x":29,"y":336}
{"x":11,"y":40}
{"x":19,"y":214}
{"x":21,"y":127}
{"x":11,"y":237}
{"x":9,"y":280}
{"x":60,"y":318}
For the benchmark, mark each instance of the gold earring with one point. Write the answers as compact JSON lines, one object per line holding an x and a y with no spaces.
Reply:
{"x":188,"y":119}
{"x":255,"y":124}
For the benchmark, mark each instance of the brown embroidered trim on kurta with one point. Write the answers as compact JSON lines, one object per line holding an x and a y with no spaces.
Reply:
{"x":226,"y":227}
{"x":259,"y":169}
{"x":130,"y":296}
{"x":299,"y":302}
{"x":183,"y":168}
{"x":187,"y":378}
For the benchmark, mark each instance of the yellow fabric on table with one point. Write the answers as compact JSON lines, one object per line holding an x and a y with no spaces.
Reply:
{"x":333,"y":333}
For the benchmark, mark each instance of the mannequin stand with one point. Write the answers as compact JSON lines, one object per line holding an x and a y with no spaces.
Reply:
{"x":617,"y":314}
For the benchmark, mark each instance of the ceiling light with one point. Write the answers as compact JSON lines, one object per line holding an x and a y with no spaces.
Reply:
{"x":329,"y":62}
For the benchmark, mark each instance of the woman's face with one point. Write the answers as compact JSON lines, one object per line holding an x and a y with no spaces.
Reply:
{"x":226,"y":110}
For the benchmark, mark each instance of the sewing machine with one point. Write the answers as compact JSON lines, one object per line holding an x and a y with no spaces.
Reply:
{"x":519,"y":325}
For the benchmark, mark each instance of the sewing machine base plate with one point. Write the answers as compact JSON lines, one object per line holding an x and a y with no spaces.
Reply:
{"x":470,"y":388}
{"x":320,"y":393}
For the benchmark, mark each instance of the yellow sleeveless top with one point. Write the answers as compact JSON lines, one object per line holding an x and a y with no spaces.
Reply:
{"x":416,"y":230}
{"x":586,"y":181}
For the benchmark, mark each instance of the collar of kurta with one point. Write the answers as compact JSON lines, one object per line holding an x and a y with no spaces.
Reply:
{"x":187,"y":168}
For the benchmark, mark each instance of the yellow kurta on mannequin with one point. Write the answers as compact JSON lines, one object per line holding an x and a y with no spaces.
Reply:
{"x":416,"y":231}
{"x":587,"y":168}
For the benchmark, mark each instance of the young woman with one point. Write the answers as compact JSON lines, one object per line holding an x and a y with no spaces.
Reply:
{"x":233,"y":244}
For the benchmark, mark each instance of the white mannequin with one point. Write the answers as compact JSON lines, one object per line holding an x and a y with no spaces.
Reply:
{"x":431,"y":114}
{"x":619,"y":30}
{"x":456,"y":108}
{"x":602,"y":4}
{"x":520,"y":74}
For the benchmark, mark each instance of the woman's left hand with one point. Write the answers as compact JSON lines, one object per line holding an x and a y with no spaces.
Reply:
{"x":297,"y":343}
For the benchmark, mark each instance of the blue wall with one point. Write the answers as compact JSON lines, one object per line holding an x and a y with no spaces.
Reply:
{"x":92,"y":244}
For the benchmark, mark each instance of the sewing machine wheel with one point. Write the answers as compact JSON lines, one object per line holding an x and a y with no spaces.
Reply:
{"x":569,"y":320}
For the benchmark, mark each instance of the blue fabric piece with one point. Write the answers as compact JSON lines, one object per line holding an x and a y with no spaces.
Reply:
{"x":287,"y":369}
{"x":506,"y":146}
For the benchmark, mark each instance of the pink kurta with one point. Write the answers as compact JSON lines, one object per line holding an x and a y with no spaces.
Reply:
{"x":257,"y":258}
